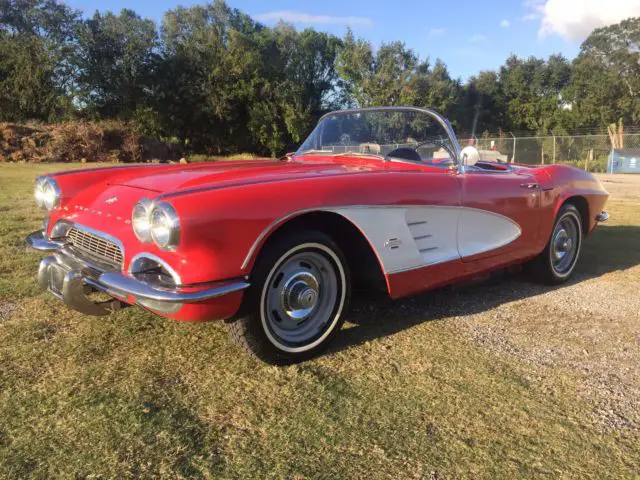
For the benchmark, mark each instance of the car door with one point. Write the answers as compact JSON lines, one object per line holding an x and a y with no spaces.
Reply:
{"x":500,"y":215}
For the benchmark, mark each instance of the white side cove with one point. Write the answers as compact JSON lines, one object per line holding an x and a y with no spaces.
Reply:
{"x":414,"y":236}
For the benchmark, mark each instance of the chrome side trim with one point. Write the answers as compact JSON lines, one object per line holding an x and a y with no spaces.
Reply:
{"x":269,"y":229}
{"x":154,"y":258}
{"x":602,"y":216}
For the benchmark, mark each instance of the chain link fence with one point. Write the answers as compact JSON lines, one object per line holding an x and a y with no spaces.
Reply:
{"x":590,"y":152}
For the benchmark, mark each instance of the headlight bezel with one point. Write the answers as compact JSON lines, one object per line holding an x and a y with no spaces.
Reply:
{"x":47,"y":193}
{"x":143,"y":207}
{"x":166,"y":214}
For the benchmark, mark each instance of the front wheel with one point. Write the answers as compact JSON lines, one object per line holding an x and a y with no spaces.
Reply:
{"x":296,"y":303}
{"x":557,"y":261}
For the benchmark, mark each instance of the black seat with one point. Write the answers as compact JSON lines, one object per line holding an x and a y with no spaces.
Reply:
{"x":405,"y":154}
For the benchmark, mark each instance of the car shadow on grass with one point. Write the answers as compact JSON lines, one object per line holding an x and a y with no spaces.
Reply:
{"x":374,"y":316}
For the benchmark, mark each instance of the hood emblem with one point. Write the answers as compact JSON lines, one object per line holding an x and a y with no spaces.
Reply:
{"x":111,"y":200}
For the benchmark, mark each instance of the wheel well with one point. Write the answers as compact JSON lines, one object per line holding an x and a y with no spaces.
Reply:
{"x":366,"y":271}
{"x":583,"y":208}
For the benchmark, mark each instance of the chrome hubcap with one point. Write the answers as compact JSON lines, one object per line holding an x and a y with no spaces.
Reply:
{"x":300,"y":295}
{"x":564,"y":245}
{"x":300,"y":298}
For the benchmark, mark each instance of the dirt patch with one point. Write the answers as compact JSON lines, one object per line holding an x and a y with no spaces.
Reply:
{"x":6,"y":310}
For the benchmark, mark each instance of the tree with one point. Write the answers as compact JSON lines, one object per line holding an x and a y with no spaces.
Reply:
{"x":382,"y":78}
{"x":36,"y":71}
{"x":207,"y":74}
{"x":116,"y":57}
{"x":483,"y":104}
{"x":532,"y":92}
{"x":434,"y":87}
{"x":605,"y":80}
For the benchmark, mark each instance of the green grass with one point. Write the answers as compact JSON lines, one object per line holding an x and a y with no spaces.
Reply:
{"x":402,"y":394}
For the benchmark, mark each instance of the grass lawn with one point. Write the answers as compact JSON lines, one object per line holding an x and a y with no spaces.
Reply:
{"x":500,"y":380}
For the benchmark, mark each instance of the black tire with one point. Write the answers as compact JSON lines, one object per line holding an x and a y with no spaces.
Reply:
{"x":256,"y":328}
{"x":547,"y":267}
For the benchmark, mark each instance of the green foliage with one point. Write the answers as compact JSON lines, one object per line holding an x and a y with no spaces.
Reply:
{"x":36,"y":42}
{"x":605,"y":82}
{"x":115,"y":58}
{"x":218,"y":81}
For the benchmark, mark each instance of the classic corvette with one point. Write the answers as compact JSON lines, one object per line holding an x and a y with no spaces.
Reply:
{"x":380,"y":198}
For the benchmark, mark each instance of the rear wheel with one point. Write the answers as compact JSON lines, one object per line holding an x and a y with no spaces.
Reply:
{"x":296,"y":303}
{"x":557,"y":261}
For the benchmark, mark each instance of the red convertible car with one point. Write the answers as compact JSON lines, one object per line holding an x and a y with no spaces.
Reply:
{"x":380,"y":198}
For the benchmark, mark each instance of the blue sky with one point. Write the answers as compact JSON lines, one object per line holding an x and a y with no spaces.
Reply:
{"x":468,"y":35}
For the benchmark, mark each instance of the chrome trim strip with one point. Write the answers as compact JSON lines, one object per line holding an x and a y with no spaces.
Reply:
{"x":602,"y":216}
{"x":154,"y":258}
{"x":123,"y":285}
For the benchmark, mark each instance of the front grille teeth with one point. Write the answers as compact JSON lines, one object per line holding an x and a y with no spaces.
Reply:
{"x":95,"y":246}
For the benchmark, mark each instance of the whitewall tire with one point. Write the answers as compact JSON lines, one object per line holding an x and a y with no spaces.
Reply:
{"x":300,"y":288}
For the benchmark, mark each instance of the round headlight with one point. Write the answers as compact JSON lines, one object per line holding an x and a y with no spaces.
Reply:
{"x":165,"y":226}
{"x":38,"y":191}
{"x":47,"y":193}
{"x":140,"y":219}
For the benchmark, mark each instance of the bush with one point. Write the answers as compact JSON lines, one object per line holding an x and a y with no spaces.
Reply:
{"x":76,"y":142}
{"x":81,"y":141}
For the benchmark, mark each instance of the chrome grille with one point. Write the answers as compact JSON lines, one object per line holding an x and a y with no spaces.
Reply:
{"x":95,"y":246}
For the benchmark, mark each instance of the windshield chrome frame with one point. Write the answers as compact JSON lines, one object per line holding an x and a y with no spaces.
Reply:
{"x":442,"y":121}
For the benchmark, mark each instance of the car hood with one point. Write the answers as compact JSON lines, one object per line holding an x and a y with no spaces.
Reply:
{"x":224,"y":174}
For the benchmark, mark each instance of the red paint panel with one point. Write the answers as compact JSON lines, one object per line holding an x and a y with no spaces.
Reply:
{"x":225,"y":207}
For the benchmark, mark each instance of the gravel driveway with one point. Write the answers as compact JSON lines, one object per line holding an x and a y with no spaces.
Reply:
{"x":589,"y":329}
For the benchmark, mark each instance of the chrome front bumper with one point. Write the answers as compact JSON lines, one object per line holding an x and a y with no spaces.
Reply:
{"x":72,"y":279}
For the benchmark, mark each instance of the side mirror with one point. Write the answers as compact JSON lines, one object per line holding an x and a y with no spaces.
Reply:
{"x":469,"y":156}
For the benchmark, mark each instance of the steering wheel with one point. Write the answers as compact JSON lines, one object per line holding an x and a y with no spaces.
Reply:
{"x":411,"y":153}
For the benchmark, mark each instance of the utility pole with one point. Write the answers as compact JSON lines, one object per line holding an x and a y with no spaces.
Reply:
{"x":554,"y":147}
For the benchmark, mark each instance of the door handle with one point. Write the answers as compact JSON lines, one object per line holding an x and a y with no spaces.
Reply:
{"x":529,"y":185}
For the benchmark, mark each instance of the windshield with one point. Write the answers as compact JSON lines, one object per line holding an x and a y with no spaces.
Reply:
{"x":394,"y":134}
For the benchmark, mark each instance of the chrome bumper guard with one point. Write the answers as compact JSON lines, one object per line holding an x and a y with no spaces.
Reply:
{"x":72,"y":279}
{"x":602,"y":216}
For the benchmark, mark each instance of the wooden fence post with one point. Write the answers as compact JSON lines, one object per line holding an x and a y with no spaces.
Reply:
{"x":586,"y":160}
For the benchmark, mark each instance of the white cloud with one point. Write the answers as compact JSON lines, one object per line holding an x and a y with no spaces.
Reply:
{"x":477,"y":38}
{"x":434,"y":32}
{"x":575,"y":19}
{"x":309,"y":19}
{"x":505,"y":23}
{"x":529,"y":17}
